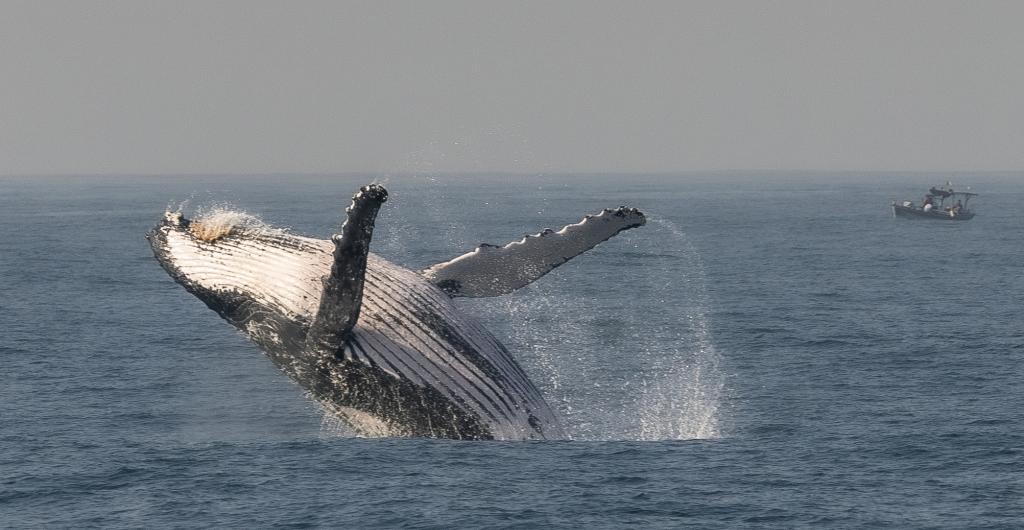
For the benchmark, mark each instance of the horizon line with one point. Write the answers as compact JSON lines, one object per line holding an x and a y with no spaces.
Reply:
{"x":560,"y":173}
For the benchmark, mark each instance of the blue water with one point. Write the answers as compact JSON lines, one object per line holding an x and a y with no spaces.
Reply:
{"x":770,"y":350}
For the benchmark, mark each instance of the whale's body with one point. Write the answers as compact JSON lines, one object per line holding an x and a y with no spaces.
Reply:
{"x":394,"y":357}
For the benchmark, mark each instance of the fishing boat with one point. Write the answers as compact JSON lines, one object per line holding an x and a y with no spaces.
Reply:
{"x":941,"y":204}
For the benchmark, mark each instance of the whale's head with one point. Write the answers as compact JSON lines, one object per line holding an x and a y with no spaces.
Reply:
{"x":263,"y":280}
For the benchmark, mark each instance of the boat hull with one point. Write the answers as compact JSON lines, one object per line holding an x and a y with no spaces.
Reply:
{"x":908,"y":212}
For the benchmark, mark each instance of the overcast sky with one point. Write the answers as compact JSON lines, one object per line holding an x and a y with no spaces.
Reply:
{"x":552,"y":86}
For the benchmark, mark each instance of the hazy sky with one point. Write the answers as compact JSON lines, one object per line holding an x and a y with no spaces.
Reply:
{"x":551,"y":86}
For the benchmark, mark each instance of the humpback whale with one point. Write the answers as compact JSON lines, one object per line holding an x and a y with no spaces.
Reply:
{"x":382,"y":347}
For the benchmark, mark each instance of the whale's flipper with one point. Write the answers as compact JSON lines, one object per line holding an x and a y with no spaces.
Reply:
{"x":343,"y":290}
{"x":490,"y":270}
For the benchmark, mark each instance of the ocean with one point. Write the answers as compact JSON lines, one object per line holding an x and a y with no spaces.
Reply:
{"x":771,"y":350}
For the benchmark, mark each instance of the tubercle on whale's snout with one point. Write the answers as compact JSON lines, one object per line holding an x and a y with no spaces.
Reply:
{"x":169,"y":219}
{"x":173,"y":218}
{"x":157,"y":236}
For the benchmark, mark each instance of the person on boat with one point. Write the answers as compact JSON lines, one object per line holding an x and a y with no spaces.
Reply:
{"x":928,"y":204}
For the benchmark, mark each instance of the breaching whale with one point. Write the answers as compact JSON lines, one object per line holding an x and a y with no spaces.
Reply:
{"x":382,"y":347}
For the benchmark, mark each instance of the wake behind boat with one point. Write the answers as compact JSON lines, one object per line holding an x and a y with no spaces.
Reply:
{"x":951,"y":205}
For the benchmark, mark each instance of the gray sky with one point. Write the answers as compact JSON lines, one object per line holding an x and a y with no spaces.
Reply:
{"x":261,"y":87}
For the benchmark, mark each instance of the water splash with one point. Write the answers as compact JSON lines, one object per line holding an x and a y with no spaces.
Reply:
{"x":684,"y":401}
{"x":218,"y":220}
{"x":631,"y":361}
{"x":331,"y":425}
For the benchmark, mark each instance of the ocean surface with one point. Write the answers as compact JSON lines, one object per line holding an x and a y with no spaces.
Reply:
{"x":770,"y":350}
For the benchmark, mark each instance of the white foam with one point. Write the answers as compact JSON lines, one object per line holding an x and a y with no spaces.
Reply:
{"x":214,"y":222}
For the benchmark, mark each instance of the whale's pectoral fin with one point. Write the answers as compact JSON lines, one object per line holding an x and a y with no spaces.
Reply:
{"x":343,"y":289}
{"x":491,"y":270}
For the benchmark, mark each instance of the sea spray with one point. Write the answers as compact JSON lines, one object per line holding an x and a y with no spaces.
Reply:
{"x":619,"y":341}
{"x":214,"y":222}
{"x":683,"y":400}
